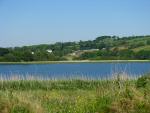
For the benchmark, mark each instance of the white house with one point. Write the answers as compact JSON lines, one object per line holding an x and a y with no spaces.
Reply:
{"x":49,"y":51}
{"x":32,"y":53}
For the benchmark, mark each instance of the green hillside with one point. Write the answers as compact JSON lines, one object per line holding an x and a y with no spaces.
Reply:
{"x":102,"y":48}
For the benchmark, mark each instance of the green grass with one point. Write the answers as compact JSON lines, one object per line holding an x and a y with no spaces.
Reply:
{"x":74,"y":96}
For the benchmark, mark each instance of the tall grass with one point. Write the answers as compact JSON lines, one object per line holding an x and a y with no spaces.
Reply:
{"x":116,"y":95}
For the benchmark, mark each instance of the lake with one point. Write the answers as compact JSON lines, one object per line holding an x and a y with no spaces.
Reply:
{"x":75,"y":70}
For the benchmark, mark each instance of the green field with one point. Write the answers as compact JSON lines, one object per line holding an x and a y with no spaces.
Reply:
{"x":119,"y":95}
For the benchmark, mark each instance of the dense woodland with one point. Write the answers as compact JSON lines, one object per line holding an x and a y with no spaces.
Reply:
{"x":102,"y":48}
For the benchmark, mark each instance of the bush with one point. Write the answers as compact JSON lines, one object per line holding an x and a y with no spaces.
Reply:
{"x":143,"y":81}
{"x":20,"y":109}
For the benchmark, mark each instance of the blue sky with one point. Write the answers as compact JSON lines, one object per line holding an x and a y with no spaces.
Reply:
{"x":28,"y":22}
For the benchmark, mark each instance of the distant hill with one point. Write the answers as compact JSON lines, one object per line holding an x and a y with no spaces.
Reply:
{"x":102,"y":48}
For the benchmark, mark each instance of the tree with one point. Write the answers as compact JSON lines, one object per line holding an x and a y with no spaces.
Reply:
{"x":27,"y":56}
{"x":143,"y":54}
{"x":148,"y":42}
{"x":11,"y":58}
{"x":3,"y":51}
{"x":127,"y":54}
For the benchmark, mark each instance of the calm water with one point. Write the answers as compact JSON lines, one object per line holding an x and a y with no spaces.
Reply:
{"x":63,"y":70}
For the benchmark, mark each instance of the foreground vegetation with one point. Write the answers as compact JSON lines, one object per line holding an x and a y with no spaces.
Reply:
{"x":119,"y":95}
{"x":102,"y":48}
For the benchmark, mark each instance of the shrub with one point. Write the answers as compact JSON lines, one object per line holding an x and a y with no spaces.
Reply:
{"x":20,"y":109}
{"x":143,"y":81}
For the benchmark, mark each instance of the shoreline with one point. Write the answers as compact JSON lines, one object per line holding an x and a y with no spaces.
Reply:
{"x":74,"y":61}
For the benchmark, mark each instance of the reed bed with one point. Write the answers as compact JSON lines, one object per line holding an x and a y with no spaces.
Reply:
{"x":120,"y":94}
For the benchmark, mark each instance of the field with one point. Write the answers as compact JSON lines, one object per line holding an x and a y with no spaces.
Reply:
{"x":119,"y":95}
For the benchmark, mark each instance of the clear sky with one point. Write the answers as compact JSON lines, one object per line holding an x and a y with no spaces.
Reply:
{"x":27,"y":22}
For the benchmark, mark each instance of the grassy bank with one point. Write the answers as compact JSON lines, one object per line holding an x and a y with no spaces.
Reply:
{"x":73,"y":61}
{"x":75,"y":96}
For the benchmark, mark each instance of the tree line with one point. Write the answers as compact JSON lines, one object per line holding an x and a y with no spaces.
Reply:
{"x":115,"y":55}
{"x":109,"y":47}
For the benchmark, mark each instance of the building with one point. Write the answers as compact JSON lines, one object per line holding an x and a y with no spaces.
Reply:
{"x":49,"y":51}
